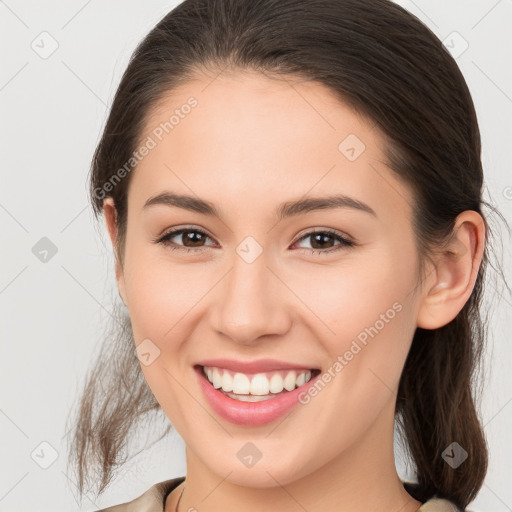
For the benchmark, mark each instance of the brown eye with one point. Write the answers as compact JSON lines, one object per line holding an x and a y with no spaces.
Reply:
{"x":321,"y":240}
{"x":325,"y":241}
{"x":192,"y":238}
{"x":186,"y":238}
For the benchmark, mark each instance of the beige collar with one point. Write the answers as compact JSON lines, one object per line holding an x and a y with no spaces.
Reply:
{"x":153,"y":500}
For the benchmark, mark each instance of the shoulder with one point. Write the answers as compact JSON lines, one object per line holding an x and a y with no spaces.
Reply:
{"x":434,"y":504}
{"x":439,"y":505}
{"x":152,"y":500}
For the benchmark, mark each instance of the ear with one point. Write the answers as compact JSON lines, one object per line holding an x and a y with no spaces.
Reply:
{"x":110,"y":213}
{"x":453,"y":278}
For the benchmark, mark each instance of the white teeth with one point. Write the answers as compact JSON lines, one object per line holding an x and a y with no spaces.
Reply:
{"x":216,"y":379}
{"x":257,"y":386}
{"x":227,"y":382}
{"x":289,"y":381}
{"x":250,"y":398}
{"x":241,"y":384}
{"x":276,"y":384}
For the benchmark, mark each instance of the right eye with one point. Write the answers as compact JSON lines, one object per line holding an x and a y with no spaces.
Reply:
{"x":192,"y":236}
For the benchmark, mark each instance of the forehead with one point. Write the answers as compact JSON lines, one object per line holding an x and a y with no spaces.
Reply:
{"x":250,"y":106}
{"x":248,"y":137}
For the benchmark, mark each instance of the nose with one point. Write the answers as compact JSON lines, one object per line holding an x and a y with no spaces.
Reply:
{"x":251,"y":303}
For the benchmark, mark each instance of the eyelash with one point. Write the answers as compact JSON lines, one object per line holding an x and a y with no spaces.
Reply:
{"x":344,"y":241}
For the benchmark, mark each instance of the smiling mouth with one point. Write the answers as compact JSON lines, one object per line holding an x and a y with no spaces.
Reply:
{"x":256,"y":387}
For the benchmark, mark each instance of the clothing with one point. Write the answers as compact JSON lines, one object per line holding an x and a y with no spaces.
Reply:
{"x":153,"y":500}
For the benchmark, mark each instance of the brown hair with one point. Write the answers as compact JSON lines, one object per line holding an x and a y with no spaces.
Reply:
{"x":387,"y":65}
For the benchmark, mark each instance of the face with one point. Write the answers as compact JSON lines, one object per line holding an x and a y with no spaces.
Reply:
{"x":317,"y":296}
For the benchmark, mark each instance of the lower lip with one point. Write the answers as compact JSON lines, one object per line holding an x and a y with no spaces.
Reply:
{"x":250,"y":413}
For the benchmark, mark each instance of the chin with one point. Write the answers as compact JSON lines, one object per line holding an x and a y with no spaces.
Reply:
{"x":267,"y":472}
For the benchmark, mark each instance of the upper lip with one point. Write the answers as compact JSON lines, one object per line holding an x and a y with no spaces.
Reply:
{"x":258,"y":366}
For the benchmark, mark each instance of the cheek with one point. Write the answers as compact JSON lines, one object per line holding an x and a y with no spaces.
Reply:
{"x":358,"y":295}
{"x":161,"y":294}
{"x":369,"y":313}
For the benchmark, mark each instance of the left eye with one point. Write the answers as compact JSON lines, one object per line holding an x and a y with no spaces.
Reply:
{"x":319,"y":240}
{"x":192,"y":240}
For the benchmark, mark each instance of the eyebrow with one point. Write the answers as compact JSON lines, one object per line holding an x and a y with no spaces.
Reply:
{"x":287,"y":209}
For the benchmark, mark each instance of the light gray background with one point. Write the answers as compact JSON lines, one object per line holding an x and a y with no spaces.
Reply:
{"x":53,"y":110}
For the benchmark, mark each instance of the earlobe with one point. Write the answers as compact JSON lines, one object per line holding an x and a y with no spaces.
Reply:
{"x":454,"y":276}
{"x":110,"y":214}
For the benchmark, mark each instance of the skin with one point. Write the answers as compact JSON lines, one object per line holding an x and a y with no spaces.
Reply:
{"x":251,"y":144}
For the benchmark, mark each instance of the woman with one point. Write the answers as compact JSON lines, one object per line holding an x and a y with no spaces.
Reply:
{"x":293,"y":191}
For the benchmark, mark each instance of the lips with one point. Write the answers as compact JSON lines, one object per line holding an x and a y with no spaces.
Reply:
{"x":253,"y":393}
